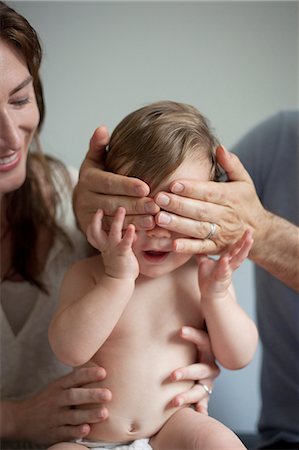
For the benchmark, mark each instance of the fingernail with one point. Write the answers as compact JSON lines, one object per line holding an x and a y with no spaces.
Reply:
{"x":177,"y":187}
{"x":150,"y":207}
{"x":178,"y":246}
{"x":101,"y":414}
{"x":179,"y":402}
{"x":100,"y":373}
{"x":162,"y":200}
{"x":178,"y":376}
{"x":140,"y":191}
{"x":163,"y":218}
{"x":147,"y":222}
{"x":185,"y":331}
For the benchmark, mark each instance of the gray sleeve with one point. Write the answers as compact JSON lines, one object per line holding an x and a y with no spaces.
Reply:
{"x":269,"y":151}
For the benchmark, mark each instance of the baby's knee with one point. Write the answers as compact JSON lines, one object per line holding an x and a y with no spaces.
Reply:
{"x":214,"y":436}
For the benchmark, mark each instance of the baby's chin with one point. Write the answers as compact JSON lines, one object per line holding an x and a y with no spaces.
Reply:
{"x":153,"y":264}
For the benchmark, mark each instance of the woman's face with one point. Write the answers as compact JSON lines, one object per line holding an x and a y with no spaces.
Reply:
{"x":19,"y":117}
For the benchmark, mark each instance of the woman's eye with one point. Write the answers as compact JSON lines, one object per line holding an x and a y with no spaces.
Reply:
{"x":20,"y":102}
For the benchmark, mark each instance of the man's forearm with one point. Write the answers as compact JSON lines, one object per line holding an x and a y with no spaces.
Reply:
{"x":276,"y":249}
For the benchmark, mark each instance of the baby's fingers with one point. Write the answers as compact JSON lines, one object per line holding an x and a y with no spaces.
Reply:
{"x":240,"y":250}
{"x":128,"y":238}
{"x":95,"y":235}
{"x":115,"y":233}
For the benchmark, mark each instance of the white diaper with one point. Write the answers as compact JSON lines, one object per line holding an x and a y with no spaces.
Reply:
{"x":139,"y":444}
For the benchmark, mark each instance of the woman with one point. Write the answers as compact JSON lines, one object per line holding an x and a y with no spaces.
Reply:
{"x":42,"y":401}
{"x":39,"y":240}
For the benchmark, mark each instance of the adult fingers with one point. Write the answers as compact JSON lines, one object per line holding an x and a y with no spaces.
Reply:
{"x":212,"y":191}
{"x":92,"y":201}
{"x":77,"y":416}
{"x":229,"y":227}
{"x":193,"y":246}
{"x":68,"y":432}
{"x":93,"y":176}
{"x":192,"y":227}
{"x":83,"y":396}
{"x":97,"y":145}
{"x":232,"y":165}
{"x":201,"y":339}
{"x":202,"y":406}
{"x":87,"y":202}
{"x":209,"y":191}
{"x":194,"y":395}
{"x":193,"y":207}
{"x":102,"y":182}
{"x":81,"y":376}
{"x":198,"y":337}
{"x":195,"y":372}
{"x":194,"y":217}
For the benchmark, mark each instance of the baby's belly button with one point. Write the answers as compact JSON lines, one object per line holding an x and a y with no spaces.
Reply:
{"x":116,"y":429}
{"x":134,"y":427}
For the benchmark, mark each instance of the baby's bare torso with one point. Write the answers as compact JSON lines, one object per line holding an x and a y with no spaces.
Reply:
{"x":143,"y":350}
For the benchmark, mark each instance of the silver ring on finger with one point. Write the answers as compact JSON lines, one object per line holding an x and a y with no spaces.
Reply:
{"x":212,"y":231}
{"x":205,"y":388}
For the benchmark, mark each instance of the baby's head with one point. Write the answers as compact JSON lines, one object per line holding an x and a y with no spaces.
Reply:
{"x":161,"y":143}
{"x":153,"y":141}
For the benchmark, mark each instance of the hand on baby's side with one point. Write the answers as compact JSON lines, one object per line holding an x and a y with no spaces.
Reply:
{"x":115,"y":246}
{"x":204,"y":371}
{"x":215,"y":276}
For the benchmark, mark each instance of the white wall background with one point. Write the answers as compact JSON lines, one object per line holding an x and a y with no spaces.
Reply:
{"x":236,"y":61}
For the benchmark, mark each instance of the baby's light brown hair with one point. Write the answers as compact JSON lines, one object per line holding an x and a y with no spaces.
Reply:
{"x":152,"y":142}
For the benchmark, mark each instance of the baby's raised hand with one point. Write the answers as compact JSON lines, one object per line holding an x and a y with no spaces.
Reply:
{"x":214,"y":276}
{"x":115,"y":246}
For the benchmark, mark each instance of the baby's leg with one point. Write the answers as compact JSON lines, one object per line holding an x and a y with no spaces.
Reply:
{"x":67,"y":446}
{"x":188,"y":429}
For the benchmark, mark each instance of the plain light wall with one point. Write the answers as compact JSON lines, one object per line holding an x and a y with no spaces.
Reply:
{"x":236,"y":61}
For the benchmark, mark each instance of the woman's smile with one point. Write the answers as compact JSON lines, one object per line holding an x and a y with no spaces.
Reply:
{"x":9,"y":162}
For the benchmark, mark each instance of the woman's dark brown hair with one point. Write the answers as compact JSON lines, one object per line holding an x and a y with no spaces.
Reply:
{"x":151,"y":142}
{"x":27,"y":210}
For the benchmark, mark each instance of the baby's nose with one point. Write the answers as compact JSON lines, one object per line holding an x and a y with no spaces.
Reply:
{"x":159,"y":233}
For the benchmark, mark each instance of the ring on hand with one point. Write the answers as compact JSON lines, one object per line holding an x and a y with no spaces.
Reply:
{"x":212,"y":231}
{"x":206,"y":388}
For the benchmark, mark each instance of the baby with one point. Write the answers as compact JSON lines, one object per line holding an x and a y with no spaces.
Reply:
{"x":125,"y":308}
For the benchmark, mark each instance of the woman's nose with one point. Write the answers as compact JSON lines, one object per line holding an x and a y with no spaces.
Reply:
{"x":159,"y":233}
{"x":10,"y":138}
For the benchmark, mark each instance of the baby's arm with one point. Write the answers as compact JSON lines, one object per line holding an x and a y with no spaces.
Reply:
{"x":233,"y":334}
{"x":95,"y":293}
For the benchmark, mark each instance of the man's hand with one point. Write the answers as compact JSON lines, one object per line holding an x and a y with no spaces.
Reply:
{"x":192,"y":207}
{"x":203,"y":373}
{"x":97,"y":189}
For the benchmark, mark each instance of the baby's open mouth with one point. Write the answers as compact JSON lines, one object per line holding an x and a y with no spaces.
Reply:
{"x":155,"y":256}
